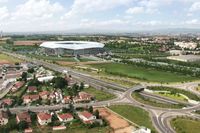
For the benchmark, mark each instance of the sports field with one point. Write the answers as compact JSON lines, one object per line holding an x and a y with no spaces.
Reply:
{"x":141,"y":73}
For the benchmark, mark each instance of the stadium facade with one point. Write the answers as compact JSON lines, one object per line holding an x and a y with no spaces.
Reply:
{"x":72,"y":48}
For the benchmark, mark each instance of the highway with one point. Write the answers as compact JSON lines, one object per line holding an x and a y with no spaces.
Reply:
{"x":160,"y":116}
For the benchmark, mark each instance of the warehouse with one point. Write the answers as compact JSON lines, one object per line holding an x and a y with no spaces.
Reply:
{"x":72,"y":48}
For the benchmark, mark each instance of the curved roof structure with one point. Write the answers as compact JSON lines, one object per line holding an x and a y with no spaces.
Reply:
{"x":73,"y":45}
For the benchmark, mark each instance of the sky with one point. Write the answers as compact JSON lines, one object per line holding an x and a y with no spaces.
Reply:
{"x":97,"y":15}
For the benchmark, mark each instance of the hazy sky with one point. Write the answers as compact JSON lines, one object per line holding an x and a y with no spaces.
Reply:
{"x":98,"y":15}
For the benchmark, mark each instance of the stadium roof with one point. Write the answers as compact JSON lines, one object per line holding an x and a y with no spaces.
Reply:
{"x":73,"y":45}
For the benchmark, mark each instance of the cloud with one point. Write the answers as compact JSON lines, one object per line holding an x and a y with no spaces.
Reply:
{"x":195,"y":7}
{"x":37,"y":9}
{"x":192,"y":22}
{"x":88,"y":6}
{"x":3,"y":13}
{"x":135,"y":10}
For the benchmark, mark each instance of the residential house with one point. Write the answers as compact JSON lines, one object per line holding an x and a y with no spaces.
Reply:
{"x":82,"y":97}
{"x":3,"y":118}
{"x":86,"y":117}
{"x":23,"y":117}
{"x":30,"y":98}
{"x":43,"y":118}
{"x":7,"y":102}
{"x":67,"y":117}
{"x":32,"y":89}
{"x":44,"y":94}
{"x":17,"y":85}
{"x":66,"y":99}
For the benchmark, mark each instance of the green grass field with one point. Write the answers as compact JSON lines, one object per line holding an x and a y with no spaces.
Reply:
{"x":155,"y":103}
{"x":141,"y":73}
{"x":100,"y":95}
{"x":172,"y":96}
{"x":185,"y":125}
{"x":10,"y":59}
{"x":134,"y":114}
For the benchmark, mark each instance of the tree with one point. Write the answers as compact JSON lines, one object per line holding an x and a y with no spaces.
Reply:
{"x":96,"y":113}
{"x":81,"y":87}
{"x":90,"y":109}
{"x":30,"y":70}
{"x":24,"y":76}
{"x":71,"y":108}
{"x":22,"y":125}
{"x":59,"y":82}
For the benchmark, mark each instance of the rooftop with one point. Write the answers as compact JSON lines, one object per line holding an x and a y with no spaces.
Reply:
{"x":73,"y":45}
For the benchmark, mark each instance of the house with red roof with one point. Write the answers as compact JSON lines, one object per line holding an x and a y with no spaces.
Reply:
{"x":7,"y":102}
{"x":44,"y":94}
{"x":43,"y":118}
{"x":86,"y":117}
{"x":23,"y":117}
{"x":67,"y":117}
{"x":30,"y":98}
{"x":66,"y":99}
{"x":32,"y":89}
{"x":82,"y":97}
{"x":17,"y":85}
{"x":28,"y":130}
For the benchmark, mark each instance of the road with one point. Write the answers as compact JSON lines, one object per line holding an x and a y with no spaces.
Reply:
{"x":160,"y":116}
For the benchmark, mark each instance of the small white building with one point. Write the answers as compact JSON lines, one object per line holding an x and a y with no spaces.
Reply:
{"x":43,"y":118}
{"x":45,"y":79}
{"x":142,"y":130}
{"x":187,"y":45}
{"x":86,"y":117}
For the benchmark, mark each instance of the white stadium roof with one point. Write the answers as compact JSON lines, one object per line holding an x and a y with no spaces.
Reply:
{"x":73,"y":45}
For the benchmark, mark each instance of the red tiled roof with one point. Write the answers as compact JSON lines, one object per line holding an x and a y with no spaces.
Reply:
{"x":44,"y":116}
{"x":32,"y":97}
{"x":24,"y":117}
{"x":7,"y":101}
{"x":65,"y":116}
{"x":44,"y":93}
{"x":84,"y":95}
{"x":19,"y":84}
{"x":32,"y":88}
{"x":86,"y":114}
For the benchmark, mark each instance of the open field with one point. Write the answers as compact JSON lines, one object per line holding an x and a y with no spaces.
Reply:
{"x":155,"y":103}
{"x":7,"y":59}
{"x":100,"y":95}
{"x":172,"y":96}
{"x":134,"y":114}
{"x":141,"y":73}
{"x":118,"y":124}
{"x":186,"y":125}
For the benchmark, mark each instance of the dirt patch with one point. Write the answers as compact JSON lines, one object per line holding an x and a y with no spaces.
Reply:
{"x":4,"y":62}
{"x":27,"y":43}
{"x":118,"y":124}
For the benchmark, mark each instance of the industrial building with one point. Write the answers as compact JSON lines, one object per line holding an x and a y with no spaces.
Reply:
{"x":72,"y":48}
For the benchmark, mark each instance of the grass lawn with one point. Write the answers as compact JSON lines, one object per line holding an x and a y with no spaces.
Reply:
{"x":155,"y":103}
{"x":10,"y":59}
{"x":134,"y":114}
{"x":172,"y":96}
{"x":141,"y":73}
{"x":185,"y":125}
{"x":100,"y":95}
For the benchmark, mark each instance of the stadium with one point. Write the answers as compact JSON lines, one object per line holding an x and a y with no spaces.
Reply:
{"x":72,"y":48}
